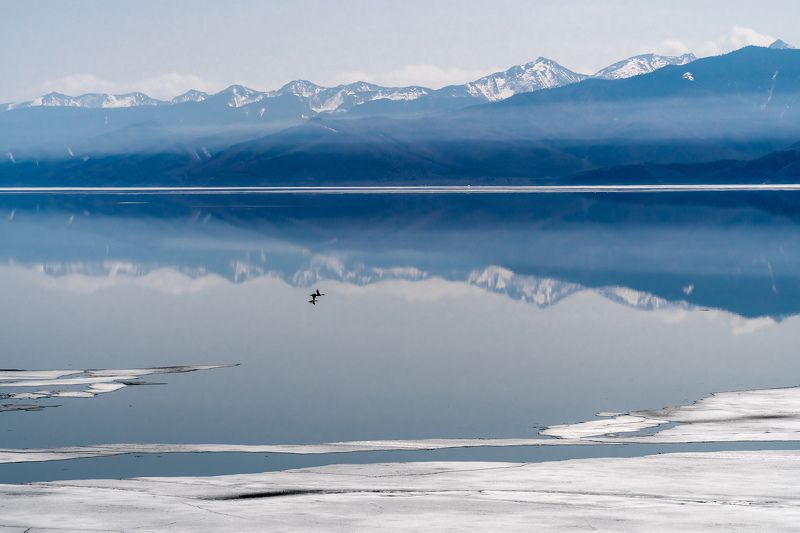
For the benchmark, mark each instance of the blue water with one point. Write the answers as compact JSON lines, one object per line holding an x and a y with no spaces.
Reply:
{"x":468,"y":316}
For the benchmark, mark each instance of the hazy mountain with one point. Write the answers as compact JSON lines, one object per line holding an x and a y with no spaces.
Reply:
{"x":189,"y":96}
{"x":715,"y":111}
{"x":781,"y":166}
{"x":653,"y":126}
{"x":56,"y":123}
{"x":780,"y":45}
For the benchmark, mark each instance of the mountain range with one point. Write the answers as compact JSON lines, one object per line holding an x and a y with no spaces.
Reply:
{"x":541,"y":73}
{"x":733,"y":117}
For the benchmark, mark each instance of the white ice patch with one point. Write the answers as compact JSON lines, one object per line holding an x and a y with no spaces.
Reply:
{"x":90,"y":382}
{"x":722,"y":491}
{"x":619,"y":424}
{"x":753,"y":415}
{"x":8,"y":455}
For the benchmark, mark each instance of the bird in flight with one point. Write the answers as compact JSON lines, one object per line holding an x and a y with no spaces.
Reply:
{"x":314,"y":296}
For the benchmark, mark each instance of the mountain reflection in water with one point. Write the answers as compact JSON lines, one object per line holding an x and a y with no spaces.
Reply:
{"x":444,"y":317}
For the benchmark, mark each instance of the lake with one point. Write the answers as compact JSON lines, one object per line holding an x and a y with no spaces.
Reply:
{"x":444,"y":316}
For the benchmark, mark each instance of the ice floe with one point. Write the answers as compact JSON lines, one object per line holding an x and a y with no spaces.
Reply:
{"x":623,"y":423}
{"x":11,"y":455}
{"x":751,"y":415}
{"x":718,"y":491}
{"x":90,"y":382}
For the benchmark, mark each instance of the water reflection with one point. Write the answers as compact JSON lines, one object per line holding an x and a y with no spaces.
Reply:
{"x":465,"y":320}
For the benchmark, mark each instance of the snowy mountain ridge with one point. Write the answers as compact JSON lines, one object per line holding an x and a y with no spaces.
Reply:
{"x":641,"y":64}
{"x":91,"y":100}
{"x":542,"y":73}
{"x":344,"y":97}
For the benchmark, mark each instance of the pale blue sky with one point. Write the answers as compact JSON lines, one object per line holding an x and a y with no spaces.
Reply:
{"x":165,"y":47}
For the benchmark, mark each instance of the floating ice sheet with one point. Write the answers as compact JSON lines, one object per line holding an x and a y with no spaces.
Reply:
{"x":722,"y":491}
{"x":9,"y":455}
{"x":752,"y":415}
{"x":91,"y":382}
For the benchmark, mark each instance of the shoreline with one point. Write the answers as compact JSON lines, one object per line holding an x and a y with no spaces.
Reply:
{"x":444,"y":189}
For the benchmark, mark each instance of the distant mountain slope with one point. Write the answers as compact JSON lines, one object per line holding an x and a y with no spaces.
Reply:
{"x":655,"y":126}
{"x":777,"y":167}
{"x":315,"y":99}
{"x":747,"y":93}
{"x":55,"y":123}
{"x":541,"y":73}
{"x":642,"y":64}
{"x":780,"y":45}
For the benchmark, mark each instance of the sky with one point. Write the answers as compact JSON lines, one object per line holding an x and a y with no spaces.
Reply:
{"x":165,"y":47}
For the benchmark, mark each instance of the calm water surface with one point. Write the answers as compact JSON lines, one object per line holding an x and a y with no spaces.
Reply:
{"x":443,"y":316}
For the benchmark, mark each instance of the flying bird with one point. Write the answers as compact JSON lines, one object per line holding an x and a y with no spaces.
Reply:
{"x":314,"y":296}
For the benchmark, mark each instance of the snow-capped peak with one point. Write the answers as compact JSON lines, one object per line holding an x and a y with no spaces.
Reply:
{"x":344,"y":97}
{"x":92,"y":100}
{"x":54,"y":100}
{"x":362,"y":87}
{"x":641,"y":64}
{"x":189,"y":96}
{"x":301,"y":88}
{"x":117,"y":100}
{"x":239,"y":95}
{"x":542,"y":73}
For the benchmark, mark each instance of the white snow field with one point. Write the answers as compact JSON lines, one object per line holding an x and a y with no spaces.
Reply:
{"x":710,"y":491}
{"x":715,"y":491}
